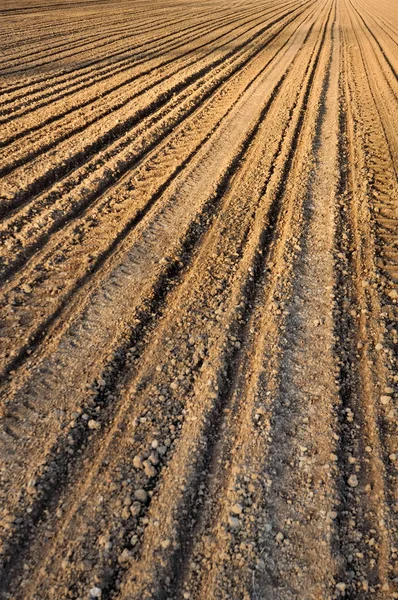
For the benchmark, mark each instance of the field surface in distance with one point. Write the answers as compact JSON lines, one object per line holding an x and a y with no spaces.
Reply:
{"x":198,"y":305}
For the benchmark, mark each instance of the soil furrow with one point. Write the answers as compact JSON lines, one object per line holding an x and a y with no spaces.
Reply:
{"x":69,"y":160}
{"x":199,"y":266}
{"x":186,"y":288}
{"x":37,"y":269}
{"x":117,"y":163}
{"x":249,"y":98}
{"x":120,"y":66}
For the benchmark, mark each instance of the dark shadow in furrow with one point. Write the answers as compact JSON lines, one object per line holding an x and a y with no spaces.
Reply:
{"x":120,"y":28}
{"x":125,"y":64}
{"x":173,"y":42}
{"x":86,"y":40}
{"x":346,"y":333}
{"x":120,"y":129}
{"x":253,"y":288}
{"x":113,"y":178}
{"x":53,"y":60}
{"x":55,"y":479}
{"x":95,"y":64}
{"x":371,"y":90}
{"x":376,"y":40}
{"x":37,"y":337}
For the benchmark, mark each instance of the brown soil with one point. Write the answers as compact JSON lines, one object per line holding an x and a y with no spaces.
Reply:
{"x":199,"y":285}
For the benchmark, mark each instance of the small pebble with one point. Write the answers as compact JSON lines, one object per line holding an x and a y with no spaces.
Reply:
{"x":137,"y":461}
{"x":385,"y":399}
{"x":341,"y":586}
{"x":149,"y":469}
{"x":237,"y":509}
{"x":124,"y":557}
{"x":95,"y":592}
{"x":92,"y":424}
{"x":233,"y":522}
{"x":260,"y":564}
{"x":154,"y":458}
{"x":141,"y":495}
{"x":135,"y":509}
{"x":353,"y":481}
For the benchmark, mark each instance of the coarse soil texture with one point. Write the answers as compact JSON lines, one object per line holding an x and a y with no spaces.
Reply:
{"x":199,"y":286}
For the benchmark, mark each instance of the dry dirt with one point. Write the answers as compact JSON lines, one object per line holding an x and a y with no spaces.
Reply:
{"x":199,"y":284}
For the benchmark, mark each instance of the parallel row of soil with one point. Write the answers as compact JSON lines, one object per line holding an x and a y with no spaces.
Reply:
{"x":199,"y":284}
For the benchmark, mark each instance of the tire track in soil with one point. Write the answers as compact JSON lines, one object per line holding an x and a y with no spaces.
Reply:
{"x":365,"y":519}
{"x":67,"y":519}
{"x":176,"y":478}
{"x":43,"y":181}
{"x":244,"y":425}
{"x":249,"y":138}
{"x":126,"y":64}
{"x":108,"y":176}
{"x":131,"y":223}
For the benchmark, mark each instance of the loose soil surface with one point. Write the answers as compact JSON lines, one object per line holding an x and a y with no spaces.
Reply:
{"x":199,"y":285}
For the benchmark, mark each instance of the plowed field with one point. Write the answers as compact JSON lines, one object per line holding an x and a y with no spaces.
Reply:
{"x":199,"y":284}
